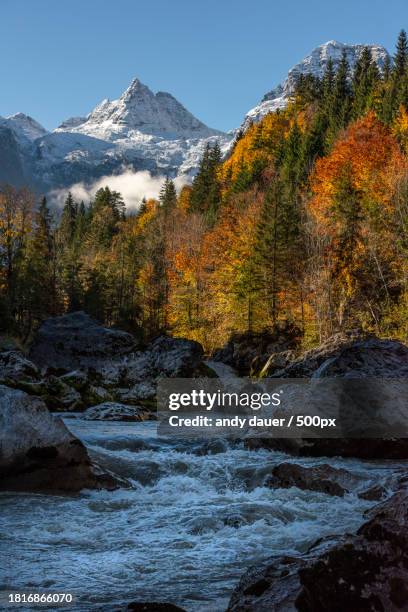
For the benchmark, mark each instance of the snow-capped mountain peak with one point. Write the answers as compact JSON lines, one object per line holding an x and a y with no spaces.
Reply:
{"x":140,"y":110}
{"x":315,"y":63}
{"x":25,"y":128}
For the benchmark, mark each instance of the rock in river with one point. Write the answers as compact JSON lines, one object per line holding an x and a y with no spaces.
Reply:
{"x":113,"y":411}
{"x":38,"y":453}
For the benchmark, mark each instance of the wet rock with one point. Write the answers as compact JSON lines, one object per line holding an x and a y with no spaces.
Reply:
{"x":154,"y":607}
{"x":76,"y":341}
{"x":271,"y":585}
{"x":375,"y":493}
{"x":322,"y":478}
{"x":368,"y":571}
{"x":393,"y":448}
{"x":276,"y":362}
{"x":363,"y":572}
{"x":38,"y":453}
{"x":113,"y":411}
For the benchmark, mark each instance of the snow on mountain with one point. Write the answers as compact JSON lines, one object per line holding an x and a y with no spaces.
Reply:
{"x":25,"y":128}
{"x":139,"y":131}
{"x":315,"y":63}
{"x":140,"y":110}
{"x":142,"y":130}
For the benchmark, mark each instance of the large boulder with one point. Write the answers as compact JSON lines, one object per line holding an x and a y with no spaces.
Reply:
{"x":365,"y":362}
{"x":138,"y":372}
{"x":368,"y":571}
{"x":322,"y":478}
{"x":37,"y":451}
{"x":76,"y":341}
{"x":363,"y":572}
{"x":249,"y":352}
{"x":349,"y":355}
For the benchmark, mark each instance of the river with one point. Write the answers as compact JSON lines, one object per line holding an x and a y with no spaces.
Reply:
{"x":196,"y":517}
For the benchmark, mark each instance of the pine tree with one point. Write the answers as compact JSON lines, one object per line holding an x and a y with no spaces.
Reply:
{"x":168,"y":196}
{"x":365,"y":79}
{"x":205,"y":193}
{"x":339,"y":105}
{"x":68,"y":220}
{"x":401,"y":56}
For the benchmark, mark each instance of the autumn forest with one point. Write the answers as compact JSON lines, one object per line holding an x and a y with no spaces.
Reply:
{"x":304,"y":222}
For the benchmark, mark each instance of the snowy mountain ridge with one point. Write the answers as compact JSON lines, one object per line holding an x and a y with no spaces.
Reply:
{"x":139,"y":109}
{"x":141,"y":130}
{"x":25,"y":128}
{"x":315,"y":63}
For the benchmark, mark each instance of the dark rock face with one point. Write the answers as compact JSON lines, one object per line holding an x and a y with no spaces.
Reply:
{"x":321,"y":478}
{"x":248,"y":353}
{"x":11,"y":159}
{"x":365,"y":572}
{"x":76,"y":341}
{"x":353,"y":358}
{"x":175,"y":357}
{"x":348,"y":355}
{"x":38,"y":453}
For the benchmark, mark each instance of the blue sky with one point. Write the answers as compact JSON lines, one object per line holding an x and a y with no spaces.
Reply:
{"x":218,"y":57}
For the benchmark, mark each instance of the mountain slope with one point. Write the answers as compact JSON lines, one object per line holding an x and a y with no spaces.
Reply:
{"x":315,"y":63}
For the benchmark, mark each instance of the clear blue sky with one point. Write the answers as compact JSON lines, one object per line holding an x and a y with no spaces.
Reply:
{"x":218,"y":57}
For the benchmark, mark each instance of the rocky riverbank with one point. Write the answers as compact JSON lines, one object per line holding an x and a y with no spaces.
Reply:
{"x":75,"y":364}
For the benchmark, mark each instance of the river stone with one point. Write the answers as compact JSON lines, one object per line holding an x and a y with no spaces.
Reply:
{"x":363,"y":572}
{"x":322,"y":478}
{"x":368,"y":571}
{"x":38,"y":453}
{"x":113,"y":411}
{"x":76,"y":341}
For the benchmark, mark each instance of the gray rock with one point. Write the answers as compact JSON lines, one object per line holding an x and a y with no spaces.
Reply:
{"x":15,"y":367}
{"x":113,"y":411}
{"x":351,"y":356}
{"x":76,"y":341}
{"x":38,"y":453}
{"x":76,"y":379}
{"x":366,"y":363}
{"x":322,"y":478}
{"x":141,"y":391}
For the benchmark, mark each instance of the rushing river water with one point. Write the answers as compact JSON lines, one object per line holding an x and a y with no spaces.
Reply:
{"x":196,"y":517}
